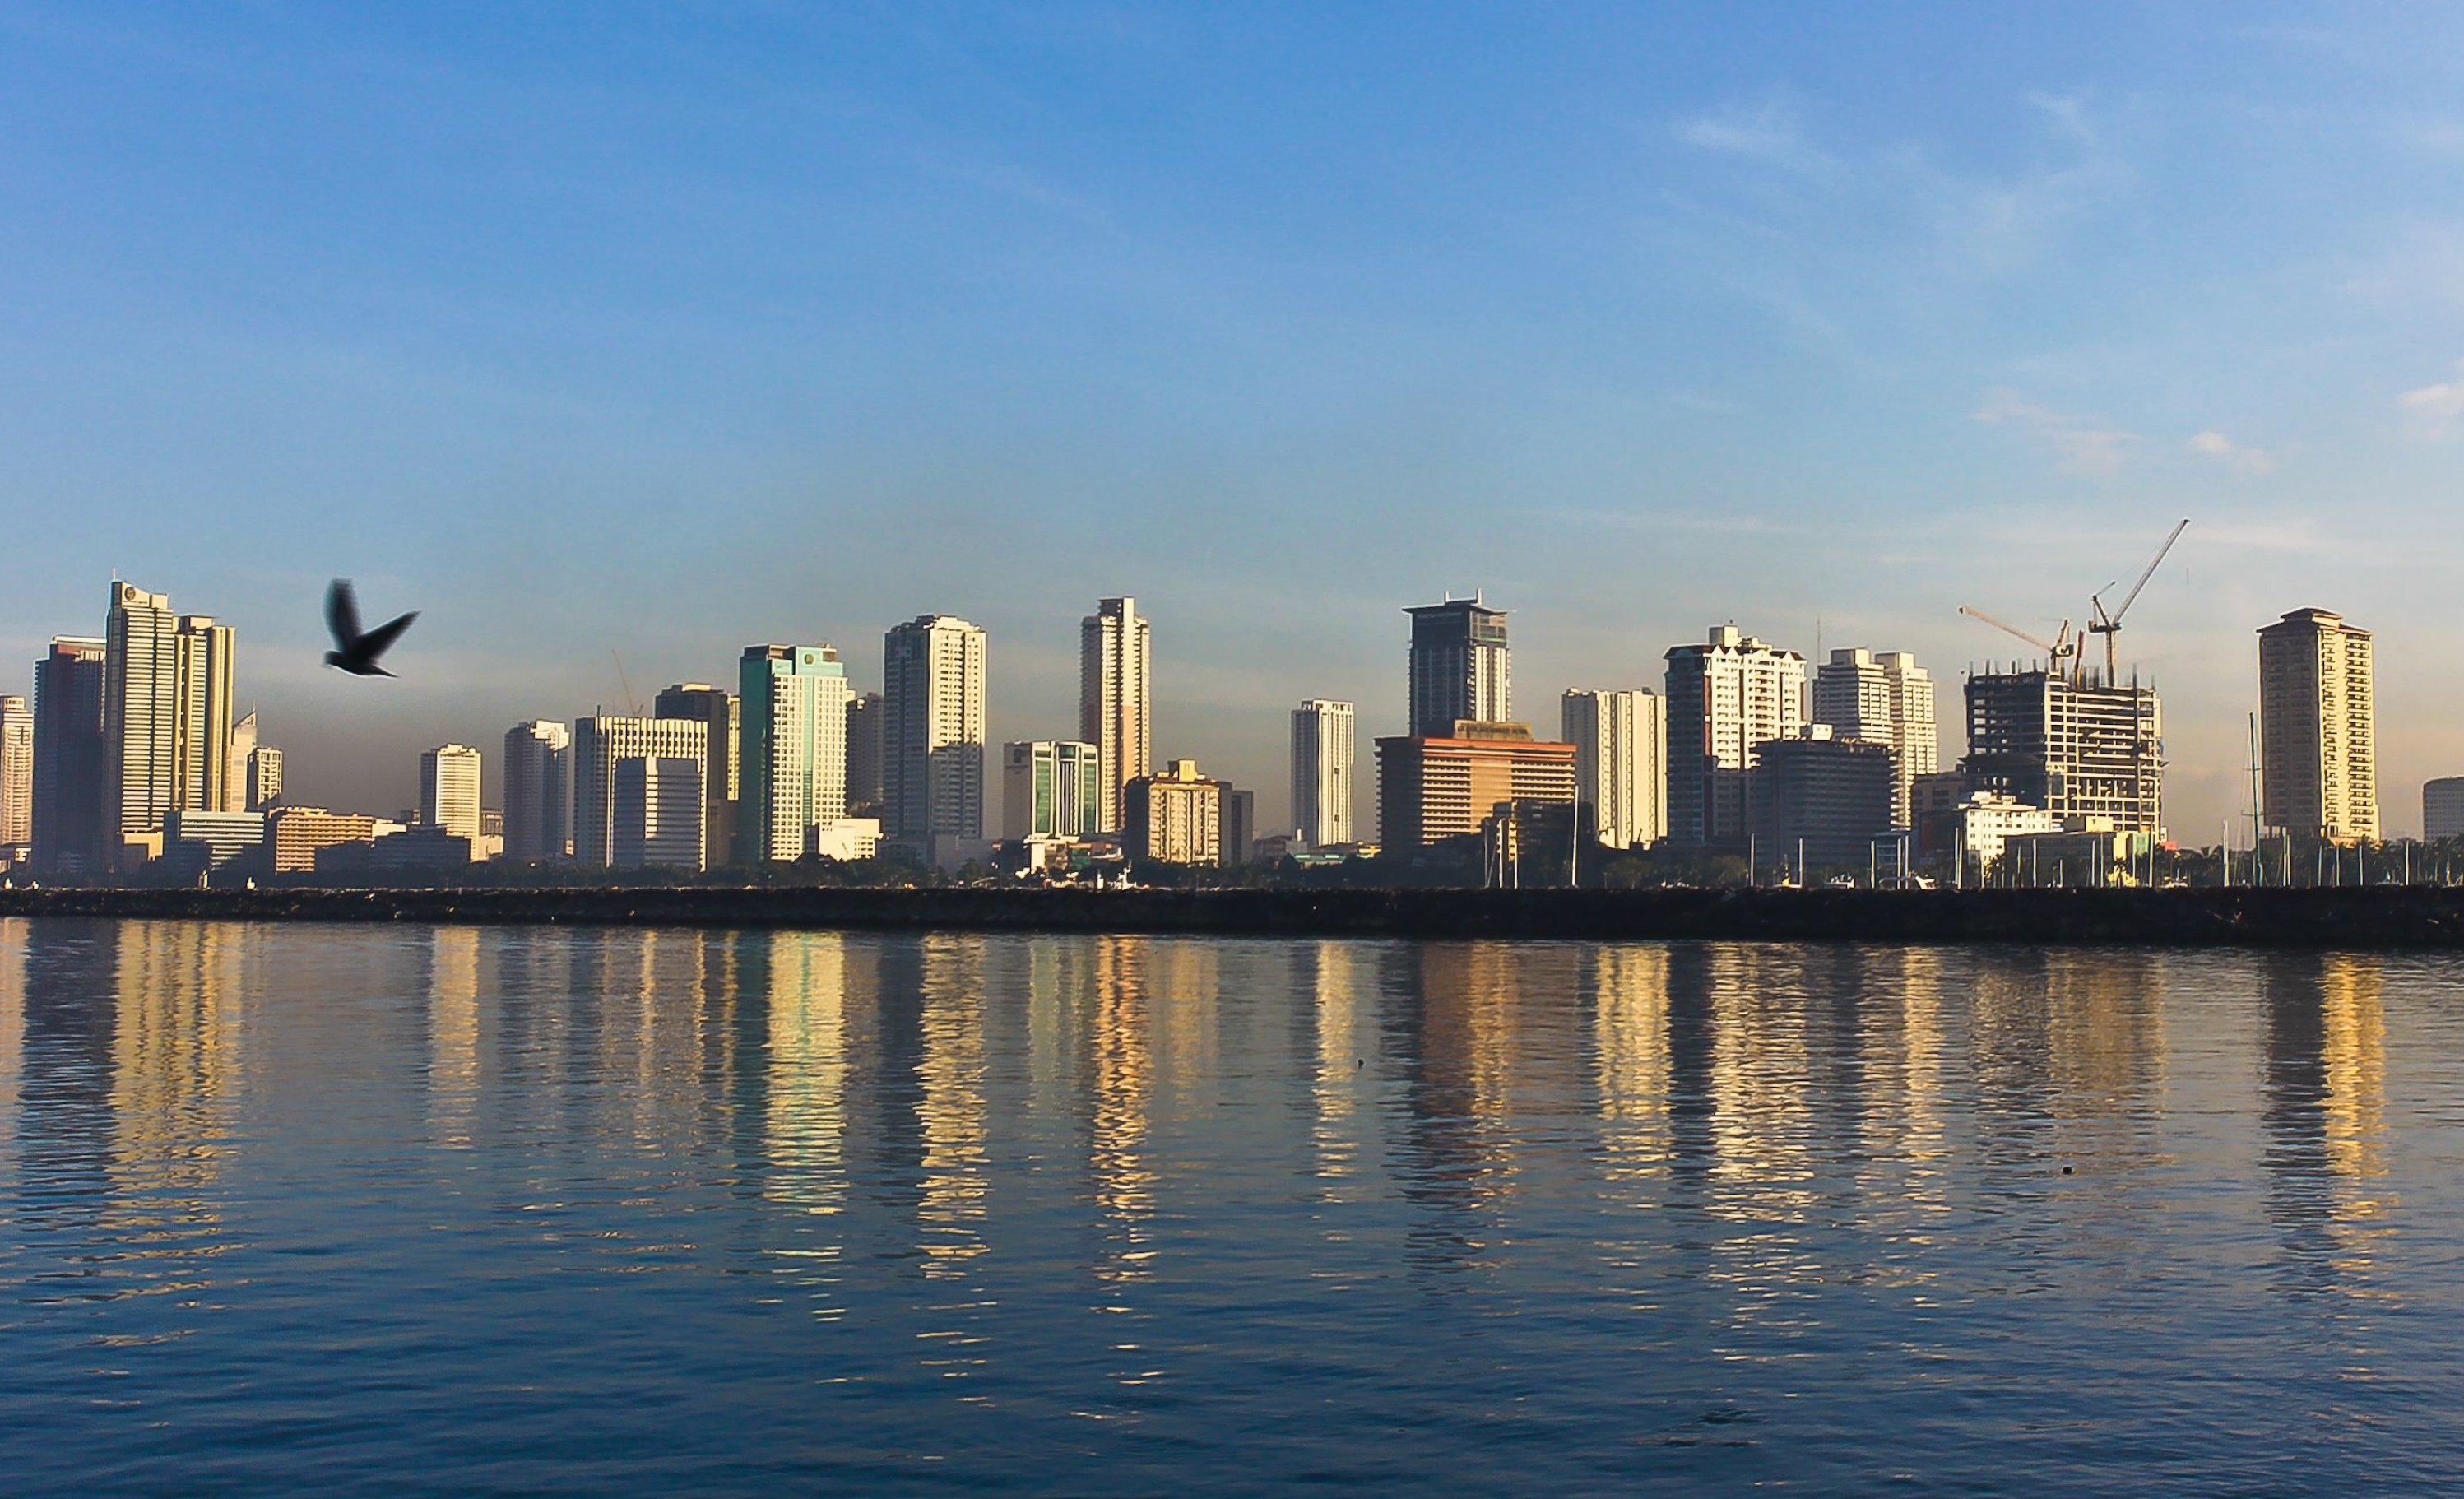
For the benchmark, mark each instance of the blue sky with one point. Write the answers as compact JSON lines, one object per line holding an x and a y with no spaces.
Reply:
{"x":666,"y":329}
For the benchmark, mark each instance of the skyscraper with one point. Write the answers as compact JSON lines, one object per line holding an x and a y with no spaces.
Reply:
{"x":204,"y":732}
{"x":235,"y":758}
{"x":1726,"y":698}
{"x":2318,"y":734}
{"x":597,"y":744}
{"x":2442,"y":808}
{"x":1323,"y":751}
{"x":1115,"y":656}
{"x":720,"y":711}
{"x":1051,"y":788}
{"x":1175,"y":817}
{"x":1883,"y":699}
{"x":141,"y":702}
{"x":1620,"y":762}
{"x":933,"y":731}
{"x":659,"y":812}
{"x":793,"y":703}
{"x":264,"y":777}
{"x":1458,"y":667}
{"x":864,"y":755}
{"x":68,"y":757}
{"x":16,"y":772}
{"x":538,"y":791}
{"x":449,"y":789}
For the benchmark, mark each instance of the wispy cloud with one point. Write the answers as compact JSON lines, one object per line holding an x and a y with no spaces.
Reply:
{"x":2434,"y":413}
{"x":2082,"y":444}
{"x":2252,"y":461}
{"x":1767,"y":134}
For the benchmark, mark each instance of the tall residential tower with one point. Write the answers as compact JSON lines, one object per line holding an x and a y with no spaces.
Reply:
{"x":1114,"y":659}
{"x":792,"y":718}
{"x":1620,"y":762}
{"x":1884,"y":699}
{"x":1458,"y":667}
{"x":1726,"y":698}
{"x":933,"y":731}
{"x":1323,"y":755}
{"x":2318,"y":733}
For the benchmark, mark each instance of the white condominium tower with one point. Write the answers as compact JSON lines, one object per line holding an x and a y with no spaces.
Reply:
{"x":1726,"y":698}
{"x":166,"y":719}
{"x":1459,"y":666}
{"x":597,"y":744}
{"x":2318,"y":748}
{"x":1114,"y":714}
{"x":1322,"y":771}
{"x":792,"y":776}
{"x":539,"y":792}
{"x":16,"y":772}
{"x":932,"y":730}
{"x":1620,"y":762}
{"x":1883,"y":699}
{"x":449,"y":789}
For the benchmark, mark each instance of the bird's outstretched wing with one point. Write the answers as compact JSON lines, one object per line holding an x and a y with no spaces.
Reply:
{"x":373,"y":644}
{"x":343,"y":614}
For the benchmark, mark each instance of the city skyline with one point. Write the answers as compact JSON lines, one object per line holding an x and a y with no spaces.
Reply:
{"x":1636,"y":320}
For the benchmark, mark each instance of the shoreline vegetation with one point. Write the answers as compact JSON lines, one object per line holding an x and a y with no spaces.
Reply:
{"x":2385,"y":917}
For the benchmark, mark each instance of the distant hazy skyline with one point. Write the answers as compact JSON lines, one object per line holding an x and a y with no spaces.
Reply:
{"x":675,"y":329}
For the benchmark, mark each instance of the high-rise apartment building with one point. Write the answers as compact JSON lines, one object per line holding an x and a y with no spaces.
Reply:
{"x":140,"y":701}
{"x":721,"y":713}
{"x":864,"y":755}
{"x":792,"y":706}
{"x":1431,"y":788}
{"x":1051,"y":788}
{"x":2318,"y":733}
{"x":1458,"y":667}
{"x":1886,"y":699}
{"x":539,"y":792}
{"x":1323,"y":777}
{"x":597,"y":744}
{"x":1726,"y":698}
{"x":933,"y":731}
{"x":264,"y":777}
{"x":166,"y":719}
{"x":243,"y":744}
{"x":1175,"y":816}
{"x":68,"y":758}
{"x":1621,"y":742}
{"x":2069,"y":746}
{"x":449,"y":789}
{"x":16,"y":772}
{"x":207,"y":681}
{"x":1114,"y":686}
{"x":660,"y":812}
{"x":2442,"y":808}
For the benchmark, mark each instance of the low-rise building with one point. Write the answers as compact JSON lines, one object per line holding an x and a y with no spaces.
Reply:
{"x":1817,"y":801}
{"x":845,"y":840}
{"x":298,"y":832}
{"x":203,"y":843}
{"x":1986,"y":820}
{"x":1175,"y":816}
{"x":1433,"y":788}
{"x":2442,"y":808}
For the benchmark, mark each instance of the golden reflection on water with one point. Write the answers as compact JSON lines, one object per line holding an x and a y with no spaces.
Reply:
{"x":13,"y":1032}
{"x":1343,"y":1049}
{"x":950,"y":1111}
{"x":1900,"y":990}
{"x":1630,"y":1058}
{"x":1123,"y":1082}
{"x":2325,"y":1117}
{"x":452,"y":1033}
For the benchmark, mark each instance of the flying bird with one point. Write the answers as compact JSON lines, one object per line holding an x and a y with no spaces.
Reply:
{"x":356,"y":650}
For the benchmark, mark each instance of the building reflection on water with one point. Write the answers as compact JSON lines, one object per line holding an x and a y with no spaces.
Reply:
{"x":886,"y":1100}
{"x":2324,"y":1116}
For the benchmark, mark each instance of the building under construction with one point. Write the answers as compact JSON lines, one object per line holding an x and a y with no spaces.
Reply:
{"x":2071,"y":744}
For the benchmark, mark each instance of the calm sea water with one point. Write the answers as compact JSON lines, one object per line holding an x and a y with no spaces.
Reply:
{"x":383,"y":1210}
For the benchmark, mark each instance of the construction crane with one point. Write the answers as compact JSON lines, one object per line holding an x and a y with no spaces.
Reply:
{"x":2109,"y":625}
{"x":633,"y":705}
{"x":2057,"y":650}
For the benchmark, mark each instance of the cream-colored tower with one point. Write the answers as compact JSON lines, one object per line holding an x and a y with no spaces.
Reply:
{"x":1115,"y":656}
{"x":1883,"y":698}
{"x":1620,"y":762}
{"x":16,"y":771}
{"x":2318,"y":727}
{"x":449,"y":789}
{"x":932,"y":730}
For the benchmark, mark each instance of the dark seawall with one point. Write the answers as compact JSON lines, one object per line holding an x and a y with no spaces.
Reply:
{"x":2417,"y":917}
